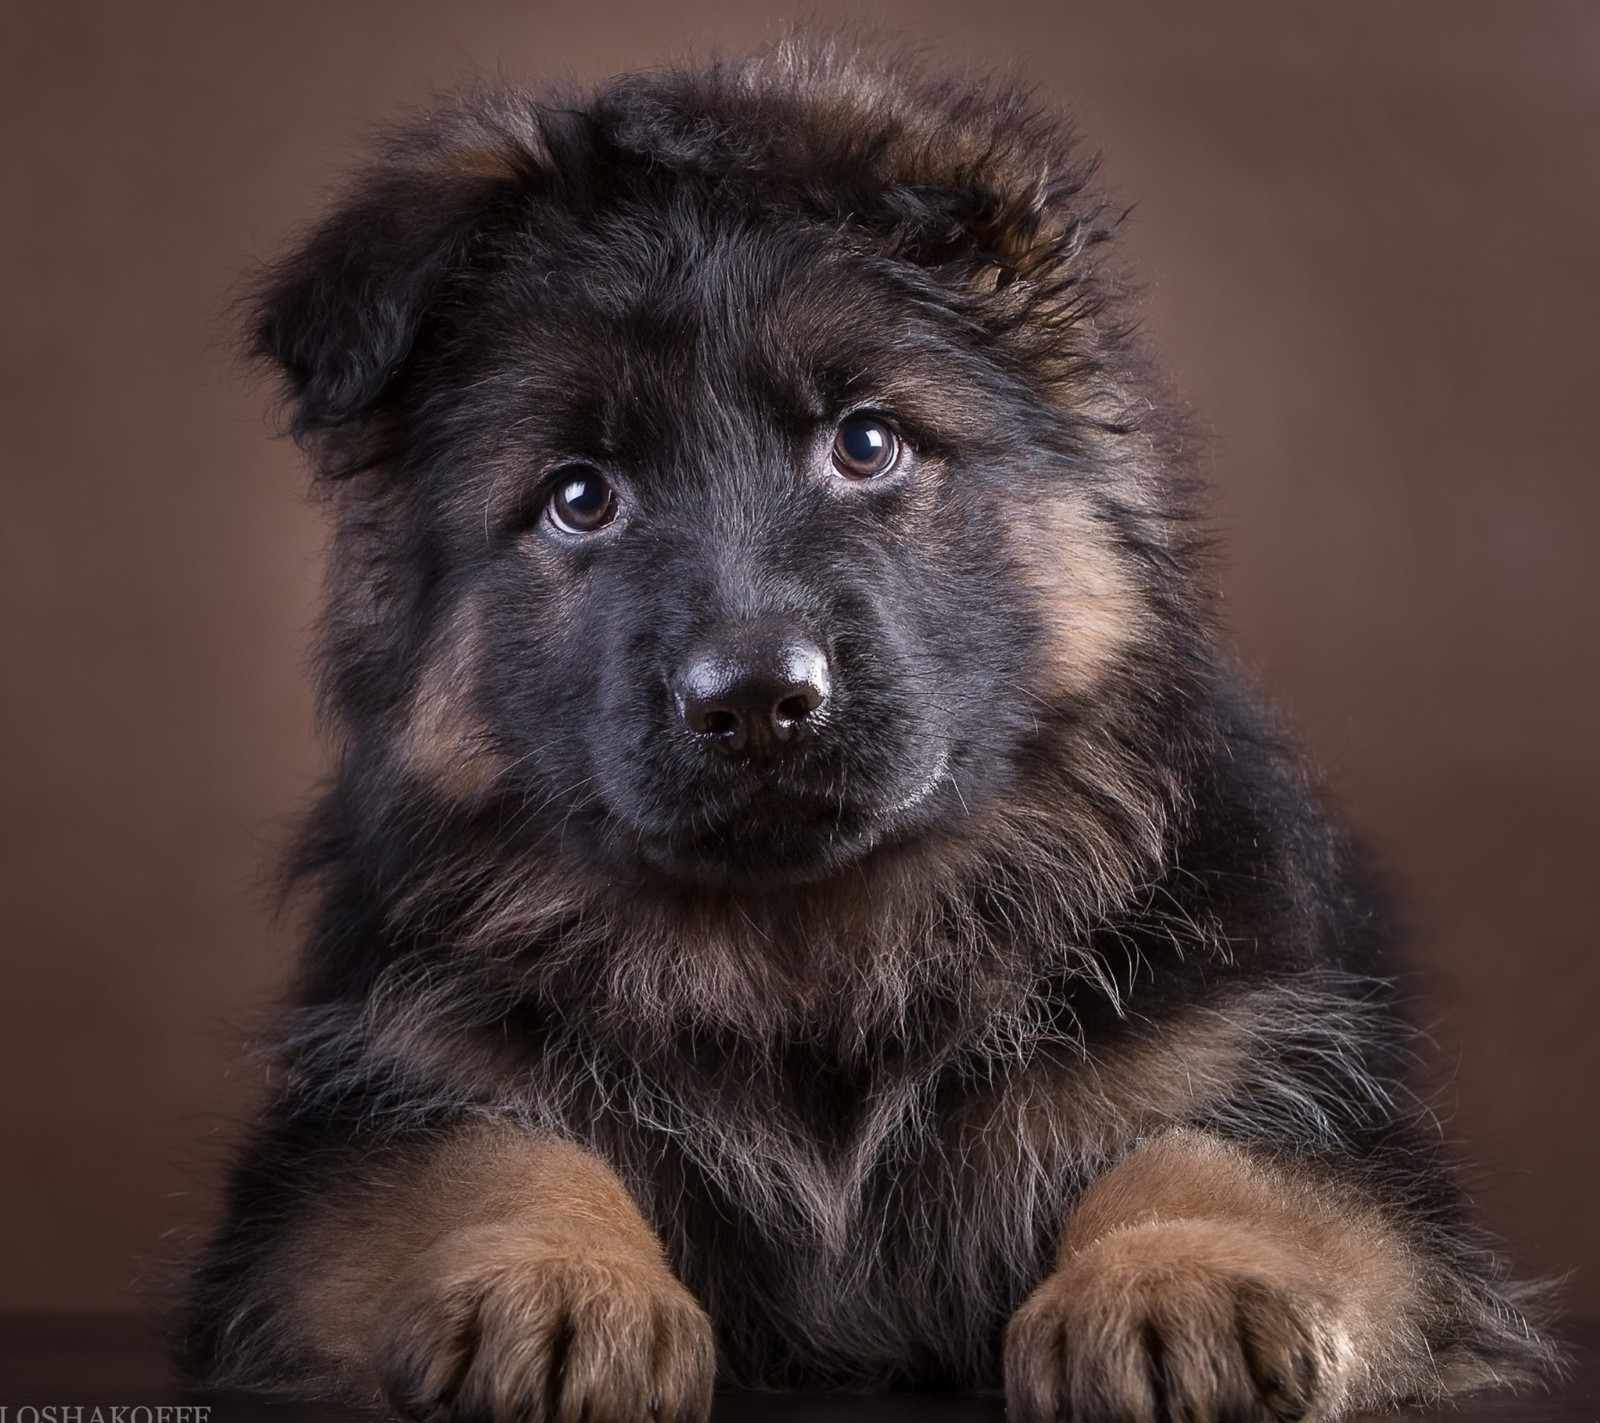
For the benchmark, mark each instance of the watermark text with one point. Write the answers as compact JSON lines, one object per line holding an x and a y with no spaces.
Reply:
{"x":106,"y":1413}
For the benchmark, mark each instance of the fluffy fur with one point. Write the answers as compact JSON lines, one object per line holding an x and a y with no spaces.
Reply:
{"x":1034,"y":979}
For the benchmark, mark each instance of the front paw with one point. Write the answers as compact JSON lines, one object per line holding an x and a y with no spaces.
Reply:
{"x":543,"y":1325}
{"x":1184,"y":1320}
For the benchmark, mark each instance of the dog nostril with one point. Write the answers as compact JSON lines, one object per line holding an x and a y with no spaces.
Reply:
{"x":717,"y":723}
{"x":796,"y":707}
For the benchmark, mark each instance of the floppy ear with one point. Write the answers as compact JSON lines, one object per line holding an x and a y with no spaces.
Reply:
{"x":341,"y":314}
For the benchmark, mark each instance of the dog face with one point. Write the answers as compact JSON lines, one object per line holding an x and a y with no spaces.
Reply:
{"x":732,"y":554}
{"x":718,"y":520}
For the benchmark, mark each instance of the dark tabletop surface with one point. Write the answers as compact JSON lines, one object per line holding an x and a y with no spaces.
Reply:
{"x":108,"y":1359}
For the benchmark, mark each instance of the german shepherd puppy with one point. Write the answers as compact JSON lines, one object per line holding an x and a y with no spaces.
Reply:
{"x":805,"y":900}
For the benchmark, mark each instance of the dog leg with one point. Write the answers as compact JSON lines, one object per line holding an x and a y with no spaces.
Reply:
{"x":1198,"y":1282}
{"x":501,"y":1276}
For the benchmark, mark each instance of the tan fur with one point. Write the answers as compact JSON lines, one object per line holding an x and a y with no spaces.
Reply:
{"x":445,"y":741}
{"x":1195,"y":1275}
{"x":510,"y":1273}
{"x":504,"y":149}
{"x":495,"y":162}
{"x":1082,"y":1110}
{"x":1088,"y":598}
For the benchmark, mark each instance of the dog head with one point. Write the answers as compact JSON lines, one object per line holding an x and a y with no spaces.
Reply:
{"x":741,"y":475}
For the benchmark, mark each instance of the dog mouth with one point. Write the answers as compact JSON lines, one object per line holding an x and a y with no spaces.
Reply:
{"x":775,"y":837}
{"x":925,"y":789}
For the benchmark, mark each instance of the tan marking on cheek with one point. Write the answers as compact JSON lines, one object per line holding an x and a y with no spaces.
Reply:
{"x":446,"y":741}
{"x":1088,"y":600}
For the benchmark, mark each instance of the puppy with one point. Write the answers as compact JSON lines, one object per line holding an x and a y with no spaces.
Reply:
{"x":804,"y":899}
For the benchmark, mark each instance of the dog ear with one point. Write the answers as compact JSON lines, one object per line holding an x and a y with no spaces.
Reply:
{"x":989,"y":234}
{"x":993,"y":190}
{"x":340,"y":316}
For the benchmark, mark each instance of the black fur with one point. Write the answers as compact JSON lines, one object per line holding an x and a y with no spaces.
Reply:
{"x":844,"y":1021}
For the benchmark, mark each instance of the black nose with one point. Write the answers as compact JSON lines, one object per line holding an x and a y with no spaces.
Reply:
{"x":753,"y":689}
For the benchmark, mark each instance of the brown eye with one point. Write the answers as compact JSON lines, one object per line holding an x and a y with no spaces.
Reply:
{"x":582,"y":502}
{"x":865,"y":447}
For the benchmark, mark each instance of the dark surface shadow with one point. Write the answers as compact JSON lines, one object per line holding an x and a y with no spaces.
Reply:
{"x":70,"y":1361}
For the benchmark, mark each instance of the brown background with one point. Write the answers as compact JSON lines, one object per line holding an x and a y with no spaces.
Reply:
{"x":1371,"y":232}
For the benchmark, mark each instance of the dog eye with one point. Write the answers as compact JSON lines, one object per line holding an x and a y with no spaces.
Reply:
{"x":583,"y":502}
{"x":865,"y":447}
